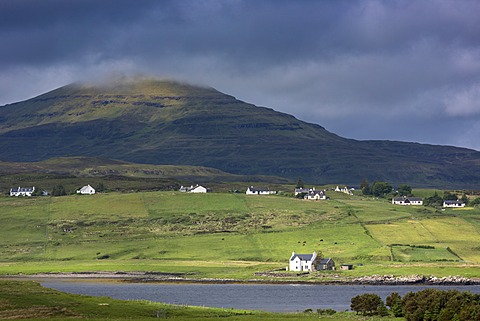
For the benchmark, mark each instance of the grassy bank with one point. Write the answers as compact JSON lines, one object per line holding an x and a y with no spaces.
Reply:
{"x":229,"y":235}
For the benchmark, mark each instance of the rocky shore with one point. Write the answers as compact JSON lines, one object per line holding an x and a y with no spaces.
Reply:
{"x":414,"y":279}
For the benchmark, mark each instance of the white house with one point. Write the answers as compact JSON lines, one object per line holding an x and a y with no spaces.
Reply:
{"x":310,"y":262}
{"x":22,"y":191}
{"x":302,"y":190}
{"x":316,"y":195}
{"x":456,"y":203}
{"x":259,"y":191}
{"x":344,"y":190}
{"x":407,"y":200}
{"x":198,"y":189}
{"x":302,"y":262}
{"x":194,"y":189}
{"x":86,"y":190}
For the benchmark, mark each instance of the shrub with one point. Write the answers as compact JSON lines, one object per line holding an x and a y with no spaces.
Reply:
{"x":326,"y":311}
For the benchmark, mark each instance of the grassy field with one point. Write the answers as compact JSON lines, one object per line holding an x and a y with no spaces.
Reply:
{"x":227,"y":235}
{"x":29,"y":301}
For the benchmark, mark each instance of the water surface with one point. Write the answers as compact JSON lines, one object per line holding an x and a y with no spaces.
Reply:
{"x":274,"y":298}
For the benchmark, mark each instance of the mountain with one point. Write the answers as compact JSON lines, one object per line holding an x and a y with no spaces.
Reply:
{"x":153,"y":121}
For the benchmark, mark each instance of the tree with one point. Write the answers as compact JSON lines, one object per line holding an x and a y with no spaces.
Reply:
{"x":58,"y":190}
{"x":404,"y":190}
{"x":433,"y":304}
{"x":447,"y":196}
{"x":465,"y":199}
{"x":37,"y":192}
{"x":392,"y":299}
{"x":434,"y":200}
{"x":365,"y":187}
{"x":368,"y":303}
{"x":394,"y":302}
{"x":475,"y":202}
{"x":100,"y":187}
{"x":381,"y":189}
{"x":300,"y":183}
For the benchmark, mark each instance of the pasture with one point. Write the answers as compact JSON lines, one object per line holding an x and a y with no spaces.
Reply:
{"x":230,"y":235}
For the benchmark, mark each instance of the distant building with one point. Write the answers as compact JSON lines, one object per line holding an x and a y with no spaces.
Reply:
{"x":259,"y":191}
{"x":303,"y":262}
{"x":86,"y":190}
{"x":326,"y":264}
{"x":345,"y":190}
{"x":407,"y":200}
{"x":194,"y":189}
{"x":302,"y":190}
{"x":310,"y":262}
{"x":316,"y":195}
{"x":346,"y":267}
{"x":456,"y":203}
{"x":22,"y":191}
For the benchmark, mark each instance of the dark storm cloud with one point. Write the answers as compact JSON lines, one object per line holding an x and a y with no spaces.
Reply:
{"x":405,"y":70}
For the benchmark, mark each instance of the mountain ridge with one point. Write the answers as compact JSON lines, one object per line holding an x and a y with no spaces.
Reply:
{"x":166,"y":122}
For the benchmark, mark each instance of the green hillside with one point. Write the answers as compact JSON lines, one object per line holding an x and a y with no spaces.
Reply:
{"x":228,"y":235}
{"x":163,"y":122}
{"x":74,"y":172}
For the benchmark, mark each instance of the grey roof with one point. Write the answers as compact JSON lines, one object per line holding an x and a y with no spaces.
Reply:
{"x":303,"y":257}
{"x":22,"y":190}
{"x":409,"y":199}
{"x":325,"y":260}
{"x":453,"y":202}
{"x":302,"y":190}
{"x":259,"y":189}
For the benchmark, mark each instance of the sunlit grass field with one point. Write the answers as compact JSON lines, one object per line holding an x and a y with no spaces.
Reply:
{"x":207,"y":235}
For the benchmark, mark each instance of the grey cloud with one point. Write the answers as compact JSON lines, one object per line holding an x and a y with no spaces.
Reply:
{"x":331,"y":62}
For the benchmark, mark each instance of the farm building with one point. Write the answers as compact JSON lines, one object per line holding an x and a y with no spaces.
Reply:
{"x":22,"y":191}
{"x":316,"y":195}
{"x":456,"y":203}
{"x":259,"y":191}
{"x":326,"y":264}
{"x":345,"y":190}
{"x":302,"y":190}
{"x":194,"y":189}
{"x":309,"y":262}
{"x":86,"y":190}
{"x":407,"y":200}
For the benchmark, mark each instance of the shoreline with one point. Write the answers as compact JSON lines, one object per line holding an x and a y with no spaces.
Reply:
{"x":158,"y":277}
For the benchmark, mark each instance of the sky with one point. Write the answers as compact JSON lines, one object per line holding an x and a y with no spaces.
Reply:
{"x":406,"y":70}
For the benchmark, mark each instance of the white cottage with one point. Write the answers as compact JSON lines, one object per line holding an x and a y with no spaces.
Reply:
{"x":194,"y":189}
{"x":316,"y":195}
{"x":345,"y":190}
{"x":303,"y":262}
{"x":86,"y":190}
{"x":198,"y":189}
{"x":407,"y":200}
{"x":22,"y":191}
{"x":456,"y":203}
{"x":259,"y":191}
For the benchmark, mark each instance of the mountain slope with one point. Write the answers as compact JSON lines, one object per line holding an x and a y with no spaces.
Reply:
{"x":164,"y":122}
